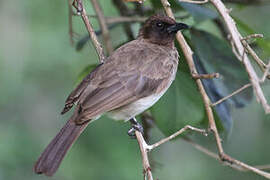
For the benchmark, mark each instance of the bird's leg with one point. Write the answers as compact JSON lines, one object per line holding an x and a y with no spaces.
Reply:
{"x":135,"y":127}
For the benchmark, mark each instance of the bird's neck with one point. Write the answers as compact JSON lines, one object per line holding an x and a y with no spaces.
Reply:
{"x":169,"y":43}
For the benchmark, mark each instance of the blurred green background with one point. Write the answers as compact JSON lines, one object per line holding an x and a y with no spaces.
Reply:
{"x":39,"y":68}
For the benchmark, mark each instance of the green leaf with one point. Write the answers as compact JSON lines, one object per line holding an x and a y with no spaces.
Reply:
{"x":200,"y":13}
{"x":222,"y":111}
{"x":181,"y":105}
{"x":245,"y":29}
{"x":219,"y":124}
{"x":215,"y":55}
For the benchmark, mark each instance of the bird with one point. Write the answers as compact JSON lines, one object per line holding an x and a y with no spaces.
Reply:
{"x":131,"y":80}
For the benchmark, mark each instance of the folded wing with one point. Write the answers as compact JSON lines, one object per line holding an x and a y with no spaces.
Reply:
{"x":131,"y":73}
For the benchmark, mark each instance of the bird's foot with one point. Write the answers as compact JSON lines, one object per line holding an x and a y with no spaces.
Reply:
{"x":135,"y":127}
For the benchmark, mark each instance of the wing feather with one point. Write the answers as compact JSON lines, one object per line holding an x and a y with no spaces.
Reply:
{"x":75,"y":94}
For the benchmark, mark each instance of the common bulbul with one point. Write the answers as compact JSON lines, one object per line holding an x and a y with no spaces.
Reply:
{"x":130,"y":81}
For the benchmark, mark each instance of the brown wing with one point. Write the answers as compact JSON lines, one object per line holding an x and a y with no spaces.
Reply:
{"x":75,"y":94}
{"x":132,"y":72}
{"x":105,"y":99}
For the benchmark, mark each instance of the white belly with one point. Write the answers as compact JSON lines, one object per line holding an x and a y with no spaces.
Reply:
{"x":129,"y":111}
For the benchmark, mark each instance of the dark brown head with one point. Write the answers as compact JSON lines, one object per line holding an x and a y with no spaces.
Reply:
{"x":160,"y":29}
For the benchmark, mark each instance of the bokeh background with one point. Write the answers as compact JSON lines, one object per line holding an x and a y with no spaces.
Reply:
{"x":38,"y":69}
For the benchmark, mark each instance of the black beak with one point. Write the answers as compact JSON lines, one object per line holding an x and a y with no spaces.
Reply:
{"x":176,"y":27}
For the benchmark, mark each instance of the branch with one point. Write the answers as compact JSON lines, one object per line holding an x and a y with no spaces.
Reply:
{"x":251,"y":36}
{"x":70,"y":28}
{"x":181,"y":131}
{"x":103,"y":26}
{"x":251,"y":51}
{"x":232,"y":94}
{"x":244,"y":87}
{"x":125,"y":11}
{"x":143,"y":148}
{"x":129,"y":19}
{"x":205,"y":76}
{"x":244,"y":1}
{"x":121,"y":19}
{"x":216,"y":156}
{"x":125,"y":19}
{"x":80,"y":10}
{"x":197,"y":146}
{"x":207,"y":103}
{"x":236,"y":39}
{"x":266,"y":72}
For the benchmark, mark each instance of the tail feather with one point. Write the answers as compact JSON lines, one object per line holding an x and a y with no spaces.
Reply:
{"x":54,"y":153}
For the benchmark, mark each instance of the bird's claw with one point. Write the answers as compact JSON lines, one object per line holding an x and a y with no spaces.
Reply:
{"x":135,"y":127}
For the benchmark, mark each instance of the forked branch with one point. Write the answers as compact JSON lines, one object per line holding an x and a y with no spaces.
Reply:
{"x":77,"y":4}
{"x":103,"y":26}
{"x":236,"y":39}
{"x":207,"y":103}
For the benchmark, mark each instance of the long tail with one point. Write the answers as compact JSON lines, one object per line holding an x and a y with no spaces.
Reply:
{"x":54,"y":153}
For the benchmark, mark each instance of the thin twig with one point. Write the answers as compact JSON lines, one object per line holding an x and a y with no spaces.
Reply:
{"x":121,"y":19}
{"x":246,"y":2}
{"x":265,"y":166}
{"x":194,"y":1}
{"x":200,"y":147}
{"x":164,"y":140}
{"x":232,"y":94}
{"x":70,"y":28}
{"x":103,"y":26}
{"x":254,"y":55}
{"x":207,"y":103}
{"x":235,"y":52}
{"x":205,"y":76}
{"x":216,"y":156}
{"x":252,"y":36}
{"x":236,"y":38}
{"x":265,"y":74}
{"x":129,"y":19}
{"x":80,"y":10}
{"x":256,"y":58}
{"x":125,"y":11}
{"x":143,"y":148}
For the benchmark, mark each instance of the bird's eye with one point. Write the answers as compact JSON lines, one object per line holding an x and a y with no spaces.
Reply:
{"x":159,"y":25}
